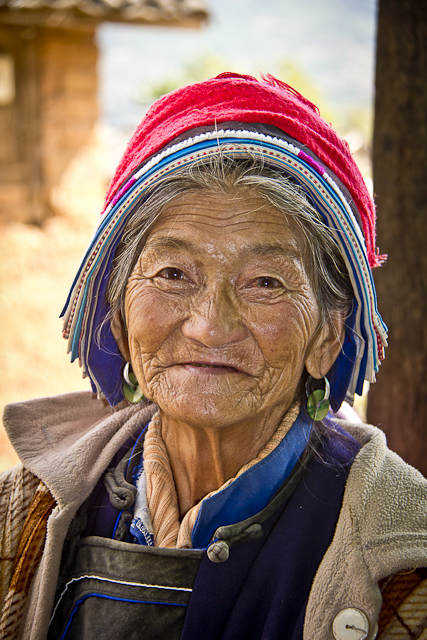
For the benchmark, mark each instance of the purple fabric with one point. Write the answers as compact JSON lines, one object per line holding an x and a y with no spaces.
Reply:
{"x":309,"y":160}
{"x":105,"y":357}
{"x":123,"y":190}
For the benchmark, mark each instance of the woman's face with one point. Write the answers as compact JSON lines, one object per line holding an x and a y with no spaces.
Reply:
{"x":220,"y":311}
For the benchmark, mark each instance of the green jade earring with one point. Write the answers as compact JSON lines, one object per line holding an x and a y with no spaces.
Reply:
{"x":131,"y":389}
{"x":318,"y":401}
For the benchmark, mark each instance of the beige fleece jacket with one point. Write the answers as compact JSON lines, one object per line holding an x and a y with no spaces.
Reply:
{"x":67,"y":442}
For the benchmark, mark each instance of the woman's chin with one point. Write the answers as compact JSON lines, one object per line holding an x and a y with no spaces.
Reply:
{"x":200,"y":412}
{"x":205,"y":410}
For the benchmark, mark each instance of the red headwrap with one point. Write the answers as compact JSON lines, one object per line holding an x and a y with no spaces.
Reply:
{"x":233,"y":97}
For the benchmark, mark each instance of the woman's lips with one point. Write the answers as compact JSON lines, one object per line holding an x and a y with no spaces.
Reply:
{"x":201,"y":367}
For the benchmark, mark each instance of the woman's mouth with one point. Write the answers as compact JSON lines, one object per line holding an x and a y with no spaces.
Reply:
{"x":211,"y":368}
{"x":198,"y":364}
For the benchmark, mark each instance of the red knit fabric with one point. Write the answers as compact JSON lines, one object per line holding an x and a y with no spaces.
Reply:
{"x":232,"y":97}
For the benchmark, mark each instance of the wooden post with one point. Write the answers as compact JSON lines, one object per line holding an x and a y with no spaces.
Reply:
{"x":398,"y":401}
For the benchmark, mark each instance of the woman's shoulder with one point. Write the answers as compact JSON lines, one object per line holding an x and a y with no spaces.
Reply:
{"x":386,"y":499}
{"x":381,"y":531}
{"x":379,"y":475}
{"x":63,"y":407}
{"x":376,"y":464}
{"x":67,"y":440}
{"x":44,"y":424}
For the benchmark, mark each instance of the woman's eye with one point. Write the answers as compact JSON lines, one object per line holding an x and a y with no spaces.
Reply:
{"x":171,"y":273}
{"x":267,"y":282}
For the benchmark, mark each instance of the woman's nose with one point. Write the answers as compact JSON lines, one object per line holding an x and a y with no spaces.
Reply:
{"x":215,"y":320}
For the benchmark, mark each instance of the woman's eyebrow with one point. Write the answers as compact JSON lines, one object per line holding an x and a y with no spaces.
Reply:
{"x":256,"y":249}
{"x":170,"y":242}
{"x":271,"y":249}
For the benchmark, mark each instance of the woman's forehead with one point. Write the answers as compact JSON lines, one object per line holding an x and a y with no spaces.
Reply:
{"x":205,"y":216}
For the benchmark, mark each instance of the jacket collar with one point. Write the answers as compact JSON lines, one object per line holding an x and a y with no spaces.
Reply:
{"x":68,"y":440}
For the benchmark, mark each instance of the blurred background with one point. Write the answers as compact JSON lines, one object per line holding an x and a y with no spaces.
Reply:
{"x":76,"y":79}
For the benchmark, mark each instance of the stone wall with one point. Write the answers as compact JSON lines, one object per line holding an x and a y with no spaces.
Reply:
{"x":52,"y":117}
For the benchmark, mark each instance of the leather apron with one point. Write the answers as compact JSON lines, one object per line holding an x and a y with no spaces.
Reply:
{"x":122,"y":590}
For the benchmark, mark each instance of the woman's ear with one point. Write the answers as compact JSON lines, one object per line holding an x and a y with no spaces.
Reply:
{"x":120,"y":335}
{"x":326,"y":348}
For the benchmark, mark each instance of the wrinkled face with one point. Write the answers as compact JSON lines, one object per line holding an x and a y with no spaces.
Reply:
{"x":220,"y":312}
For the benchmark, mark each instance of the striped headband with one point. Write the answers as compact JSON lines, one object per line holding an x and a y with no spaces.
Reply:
{"x":86,"y":306}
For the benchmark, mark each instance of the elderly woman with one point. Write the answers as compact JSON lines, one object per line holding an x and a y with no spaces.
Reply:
{"x":225,"y":309}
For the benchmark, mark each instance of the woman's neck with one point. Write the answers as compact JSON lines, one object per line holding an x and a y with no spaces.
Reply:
{"x":202,"y":459}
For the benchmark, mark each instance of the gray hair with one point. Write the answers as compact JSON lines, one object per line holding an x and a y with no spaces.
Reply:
{"x":322,"y":256}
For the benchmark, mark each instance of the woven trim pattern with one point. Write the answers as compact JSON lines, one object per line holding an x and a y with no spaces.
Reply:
{"x":26,"y":505}
{"x":404,"y":612}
